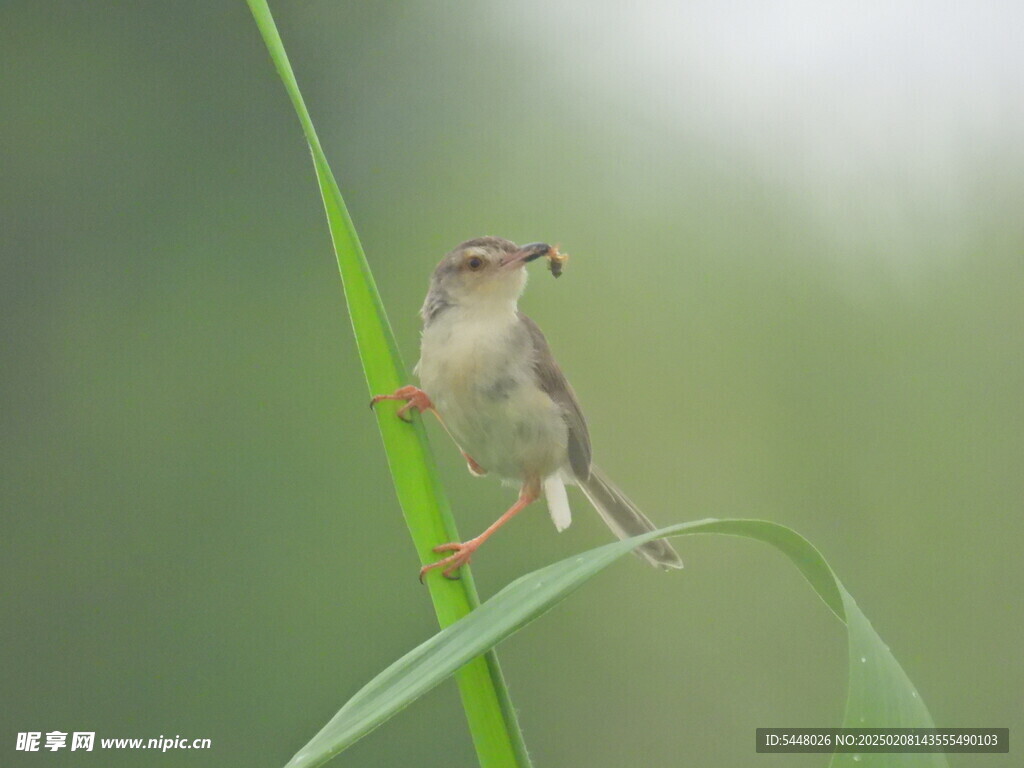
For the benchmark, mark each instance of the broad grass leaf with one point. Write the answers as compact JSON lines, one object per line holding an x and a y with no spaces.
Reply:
{"x":880,"y":694}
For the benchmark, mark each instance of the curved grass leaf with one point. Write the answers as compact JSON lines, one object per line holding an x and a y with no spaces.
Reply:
{"x":880,"y":692}
{"x":485,"y":699}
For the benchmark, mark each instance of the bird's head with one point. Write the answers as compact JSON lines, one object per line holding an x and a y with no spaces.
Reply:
{"x":483,"y":273}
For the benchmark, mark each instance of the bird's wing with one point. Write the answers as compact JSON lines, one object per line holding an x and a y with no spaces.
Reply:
{"x":551,"y":379}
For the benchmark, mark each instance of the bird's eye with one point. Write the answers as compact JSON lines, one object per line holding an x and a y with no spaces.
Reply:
{"x":475,"y":262}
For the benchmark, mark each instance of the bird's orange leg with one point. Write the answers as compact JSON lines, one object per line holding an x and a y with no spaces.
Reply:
{"x":463,"y":551}
{"x":416,"y":398}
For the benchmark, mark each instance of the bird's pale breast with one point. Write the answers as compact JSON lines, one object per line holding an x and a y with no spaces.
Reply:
{"x":478,"y":370}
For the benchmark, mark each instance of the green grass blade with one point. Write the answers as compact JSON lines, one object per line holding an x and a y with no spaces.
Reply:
{"x":880,"y":692}
{"x":492,"y":721}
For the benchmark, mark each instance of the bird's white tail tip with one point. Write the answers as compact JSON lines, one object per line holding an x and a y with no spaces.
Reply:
{"x":558,"y":502}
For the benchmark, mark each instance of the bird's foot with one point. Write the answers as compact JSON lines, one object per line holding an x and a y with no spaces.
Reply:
{"x":463,"y":553}
{"x":474,"y":468}
{"x":414,"y":398}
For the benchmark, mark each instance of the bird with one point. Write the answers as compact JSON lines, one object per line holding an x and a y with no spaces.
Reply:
{"x":488,"y":375}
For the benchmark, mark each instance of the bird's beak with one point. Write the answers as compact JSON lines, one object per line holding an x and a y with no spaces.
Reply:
{"x":525,"y":254}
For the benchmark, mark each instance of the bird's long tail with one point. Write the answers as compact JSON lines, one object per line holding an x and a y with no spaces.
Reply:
{"x":626,"y":520}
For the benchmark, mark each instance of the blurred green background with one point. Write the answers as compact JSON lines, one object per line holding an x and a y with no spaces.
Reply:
{"x":797,"y":293}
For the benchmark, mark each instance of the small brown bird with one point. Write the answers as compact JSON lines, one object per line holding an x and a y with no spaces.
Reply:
{"x":488,"y":374}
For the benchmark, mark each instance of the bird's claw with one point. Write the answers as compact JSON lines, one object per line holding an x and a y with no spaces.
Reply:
{"x":474,"y":469}
{"x":414,"y":397}
{"x":463,"y":553}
